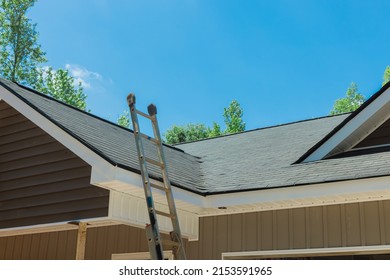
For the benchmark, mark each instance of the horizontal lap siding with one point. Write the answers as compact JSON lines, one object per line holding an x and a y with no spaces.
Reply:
{"x":40,"y":180}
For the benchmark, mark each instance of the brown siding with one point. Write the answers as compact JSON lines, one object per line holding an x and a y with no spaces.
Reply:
{"x":41,"y":181}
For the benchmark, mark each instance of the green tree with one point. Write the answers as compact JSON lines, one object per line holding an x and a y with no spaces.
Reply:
{"x":386,"y":75}
{"x":350,"y":102}
{"x":233,"y":118}
{"x":20,"y":53}
{"x":124,"y":119}
{"x":191,"y":132}
{"x":186,"y":133}
{"x":215,"y":130}
{"x":61,"y":86}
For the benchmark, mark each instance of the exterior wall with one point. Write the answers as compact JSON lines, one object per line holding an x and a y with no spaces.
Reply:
{"x":101,"y":244}
{"x":40,"y":180}
{"x":354,"y":224}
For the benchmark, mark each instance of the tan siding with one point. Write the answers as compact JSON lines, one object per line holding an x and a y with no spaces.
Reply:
{"x":206,"y":247}
{"x":316,"y":227}
{"x":371,"y":220}
{"x":40,"y":180}
{"x":221,"y":241}
{"x":282,"y":229}
{"x":250,"y":232}
{"x":352,"y":222}
{"x":355,"y":224}
{"x":266,"y":234}
{"x":334,"y":226}
{"x":298,"y":228}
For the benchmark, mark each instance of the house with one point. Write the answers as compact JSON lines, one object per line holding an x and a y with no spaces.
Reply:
{"x":318,"y":188}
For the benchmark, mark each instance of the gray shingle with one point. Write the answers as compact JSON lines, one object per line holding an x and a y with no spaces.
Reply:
{"x":111,"y":141}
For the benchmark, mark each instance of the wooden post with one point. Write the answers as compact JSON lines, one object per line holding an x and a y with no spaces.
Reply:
{"x":81,"y":241}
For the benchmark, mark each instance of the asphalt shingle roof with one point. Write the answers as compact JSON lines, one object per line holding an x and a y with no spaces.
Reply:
{"x":112,"y":142}
{"x":257,"y":159}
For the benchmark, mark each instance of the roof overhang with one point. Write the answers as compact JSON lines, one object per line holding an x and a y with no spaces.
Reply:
{"x":329,"y":193}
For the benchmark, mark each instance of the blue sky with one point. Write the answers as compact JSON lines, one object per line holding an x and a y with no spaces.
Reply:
{"x":283,"y":61}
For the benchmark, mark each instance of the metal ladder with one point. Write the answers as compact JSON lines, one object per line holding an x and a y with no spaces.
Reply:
{"x":152,"y":231}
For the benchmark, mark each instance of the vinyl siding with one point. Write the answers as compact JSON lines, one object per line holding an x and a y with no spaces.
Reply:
{"x":41,"y":181}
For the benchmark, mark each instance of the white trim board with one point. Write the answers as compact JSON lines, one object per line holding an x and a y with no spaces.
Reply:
{"x":54,"y":227}
{"x":361,"y":190}
{"x":312,"y":252}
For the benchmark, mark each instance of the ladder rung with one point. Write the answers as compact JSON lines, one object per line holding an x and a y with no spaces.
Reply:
{"x":162,"y":213}
{"x":144,"y":115}
{"x":161,"y":188}
{"x":169,"y":242}
{"x":147,"y":137}
{"x":154,"y":162}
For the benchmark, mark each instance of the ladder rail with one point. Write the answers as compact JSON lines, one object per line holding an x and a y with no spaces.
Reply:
{"x":167,"y":184}
{"x":153,"y":233}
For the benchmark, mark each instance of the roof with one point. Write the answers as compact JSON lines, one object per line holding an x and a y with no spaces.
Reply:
{"x":258,"y":159}
{"x":112,"y":142}
{"x":265,"y":158}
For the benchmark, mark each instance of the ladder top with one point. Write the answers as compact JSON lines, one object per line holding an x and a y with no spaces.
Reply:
{"x":131,"y":99}
{"x":152,"y":109}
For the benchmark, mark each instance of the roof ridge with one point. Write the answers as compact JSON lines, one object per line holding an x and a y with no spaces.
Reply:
{"x":263,"y":128}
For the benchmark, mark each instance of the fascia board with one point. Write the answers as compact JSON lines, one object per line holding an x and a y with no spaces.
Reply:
{"x":370,"y":189}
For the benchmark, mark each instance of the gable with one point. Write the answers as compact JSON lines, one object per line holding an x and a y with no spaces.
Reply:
{"x":357,"y":126}
{"x":41,"y":181}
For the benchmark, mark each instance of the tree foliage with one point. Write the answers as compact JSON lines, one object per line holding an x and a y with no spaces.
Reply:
{"x":233,"y":118}
{"x":386,"y":75}
{"x":124,"y":119}
{"x":186,"y":133}
{"x":192,"y":132}
{"x":20,"y":53}
{"x":61,"y":86}
{"x":352,"y":100}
